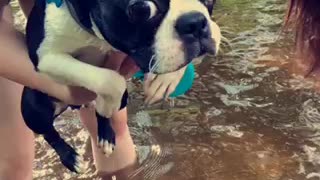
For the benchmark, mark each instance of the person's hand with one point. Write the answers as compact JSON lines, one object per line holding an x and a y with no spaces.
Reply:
{"x":159,"y":87}
{"x":117,"y":61}
{"x":121,"y":63}
{"x":67,"y":94}
{"x":156,"y":87}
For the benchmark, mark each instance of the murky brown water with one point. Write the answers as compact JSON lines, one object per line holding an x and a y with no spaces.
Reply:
{"x":245,"y":119}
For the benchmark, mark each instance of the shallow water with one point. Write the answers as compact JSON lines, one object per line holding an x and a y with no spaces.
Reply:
{"x":246,"y":117}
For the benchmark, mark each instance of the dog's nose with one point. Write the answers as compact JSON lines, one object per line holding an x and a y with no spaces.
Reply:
{"x":193,"y":25}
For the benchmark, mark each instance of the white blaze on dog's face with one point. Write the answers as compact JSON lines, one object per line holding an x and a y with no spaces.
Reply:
{"x":186,"y":33}
{"x":160,"y":35}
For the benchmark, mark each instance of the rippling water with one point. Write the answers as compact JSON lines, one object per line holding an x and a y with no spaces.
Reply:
{"x":246,"y":118}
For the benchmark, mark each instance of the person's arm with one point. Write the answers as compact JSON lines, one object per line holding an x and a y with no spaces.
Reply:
{"x":26,"y":6}
{"x":16,"y":66}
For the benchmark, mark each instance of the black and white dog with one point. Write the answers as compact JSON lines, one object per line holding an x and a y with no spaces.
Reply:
{"x":160,"y":35}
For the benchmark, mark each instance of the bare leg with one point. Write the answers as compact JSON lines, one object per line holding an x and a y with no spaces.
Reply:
{"x":16,"y":140}
{"x":124,"y":154}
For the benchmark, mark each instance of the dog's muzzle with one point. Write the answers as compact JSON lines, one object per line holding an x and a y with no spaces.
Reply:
{"x":194,"y":30}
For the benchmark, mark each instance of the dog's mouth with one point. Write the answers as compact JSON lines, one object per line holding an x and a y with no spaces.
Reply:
{"x":199,"y":48}
{"x":207,"y":46}
{"x":146,"y":59}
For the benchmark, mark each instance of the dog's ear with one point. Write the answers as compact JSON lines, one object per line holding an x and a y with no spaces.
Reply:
{"x":209,"y":4}
{"x":80,"y":10}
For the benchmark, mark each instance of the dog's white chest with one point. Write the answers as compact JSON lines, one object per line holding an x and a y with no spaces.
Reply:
{"x":64,"y":35}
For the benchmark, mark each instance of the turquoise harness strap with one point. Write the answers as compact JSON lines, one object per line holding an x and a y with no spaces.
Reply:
{"x":57,"y":2}
{"x":185,"y":83}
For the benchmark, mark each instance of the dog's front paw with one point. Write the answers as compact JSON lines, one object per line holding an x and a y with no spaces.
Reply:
{"x":106,"y":135}
{"x":108,"y":105}
{"x":109,"y":100}
{"x":114,"y":85}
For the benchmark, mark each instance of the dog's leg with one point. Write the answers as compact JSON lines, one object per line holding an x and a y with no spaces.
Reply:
{"x":106,"y":83}
{"x":68,"y":156}
{"x":106,"y":135}
{"x":38,"y":112}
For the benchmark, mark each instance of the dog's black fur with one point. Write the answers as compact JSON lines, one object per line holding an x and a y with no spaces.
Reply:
{"x":129,"y":34}
{"x":38,"y":108}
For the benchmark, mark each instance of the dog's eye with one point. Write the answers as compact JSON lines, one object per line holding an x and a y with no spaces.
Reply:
{"x":141,"y":11}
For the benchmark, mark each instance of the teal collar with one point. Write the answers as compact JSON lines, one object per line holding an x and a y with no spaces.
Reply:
{"x":57,"y":2}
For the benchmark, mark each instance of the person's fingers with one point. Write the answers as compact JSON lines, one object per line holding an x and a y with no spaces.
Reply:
{"x":150,"y":86}
{"x":114,"y":60}
{"x":170,"y":90}
{"x":161,"y":86}
{"x":151,"y":94}
{"x":148,"y":79}
{"x":121,"y":63}
{"x":128,"y":68}
{"x":158,"y":94}
{"x":79,"y":96}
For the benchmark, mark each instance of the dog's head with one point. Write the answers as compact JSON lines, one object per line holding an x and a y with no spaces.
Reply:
{"x":160,"y":35}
